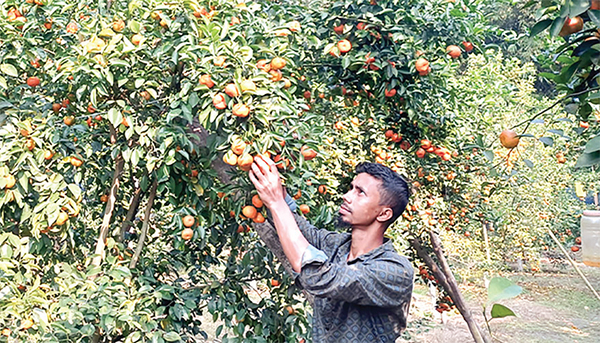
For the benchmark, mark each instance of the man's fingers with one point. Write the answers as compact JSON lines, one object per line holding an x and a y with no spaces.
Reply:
{"x":262,"y":164}
{"x":253,"y":178}
{"x":258,"y":173}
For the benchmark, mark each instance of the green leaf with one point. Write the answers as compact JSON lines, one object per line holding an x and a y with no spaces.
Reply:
{"x":588,"y":159}
{"x":528,"y":163}
{"x":501,"y":311}
{"x":9,"y":70}
{"x":75,"y":190}
{"x":595,"y":17}
{"x":557,"y":25}
{"x":134,"y":26}
{"x":576,"y":7}
{"x":592,"y":145}
{"x":502,"y":288}
{"x":172,"y":336}
{"x":489,"y":154}
{"x":3,"y":83}
{"x":548,"y":141}
{"x":115,"y":117}
{"x":540,"y":26}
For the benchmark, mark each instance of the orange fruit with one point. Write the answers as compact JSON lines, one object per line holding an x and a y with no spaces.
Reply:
{"x":390,"y":93}
{"x":219,"y":61}
{"x":104,"y":198}
{"x":584,"y":124}
{"x":259,"y":218}
{"x":238,"y":146}
{"x":287,"y":83}
{"x":248,"y":86}
{"x":293,"y":26}
{"x":230,"y":158}
{"x":69,"y":120}
{"x":72,"y":27}
{"x":33,"y":81}
{"x":206,"y":80}
{"x":62,"y":218}
{"x":339,"y":29}
{"x":232,"y":90}
{"x":219,"y":101}
{"x":48,"y":154}
{"x":30,"y":144}
{"x":290,"y":310}
{"x":119,"y":25}
{"x":344,"y":46}
{"x":188,"y":221}
{"x":278,"y":63}
{"x":5,"y":332}
{"x":137,"y":39}
{"x":571,"y":25}
{"x":509,"y":139}
{"x":304,"y":208}
{"x":245,"y":161}
{"x":322,"y":189}
{"x":76,"y":162}
{"x":10,"y":182}
{"x":27,"y":324}
{"x":249,"y":212}
{"x":574,"y":248}
{"x":187,"y":234}
{"x":422,"y":65}
{"x":453,"y":51}
{"x":56,"y":107}
{"x":468,"y":46}
{"x":308,"y":153}
{"x":420,"y":153}
{"x":275,"y":282}
{"x":240,"y":110}
{"x":256,"y":201}
{"x":263,"y":65}
{"x":145,"y":95}
{"x":276,"y":75}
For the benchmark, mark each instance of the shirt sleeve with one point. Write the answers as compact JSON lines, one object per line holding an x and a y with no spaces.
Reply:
{"x":384,"y":283}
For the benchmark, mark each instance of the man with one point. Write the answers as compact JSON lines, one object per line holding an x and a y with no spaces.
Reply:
{"x":362,"y":287}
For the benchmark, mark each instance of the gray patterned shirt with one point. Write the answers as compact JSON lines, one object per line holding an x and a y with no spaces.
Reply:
{"x":362,"y":300}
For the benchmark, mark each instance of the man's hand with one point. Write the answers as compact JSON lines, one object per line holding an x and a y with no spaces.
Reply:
{"x":265,"y":177}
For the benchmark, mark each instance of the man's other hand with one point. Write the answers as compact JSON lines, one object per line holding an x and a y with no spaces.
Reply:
{"x":265,"y":177}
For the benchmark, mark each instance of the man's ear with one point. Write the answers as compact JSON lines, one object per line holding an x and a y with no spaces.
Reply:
{"x":385,"y":214}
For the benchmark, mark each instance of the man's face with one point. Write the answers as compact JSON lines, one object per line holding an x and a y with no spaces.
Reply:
{"x":361,"y":203}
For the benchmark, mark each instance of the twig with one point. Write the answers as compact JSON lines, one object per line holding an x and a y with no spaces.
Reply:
{"x":140,"y":245}
{"x":587,"y":283}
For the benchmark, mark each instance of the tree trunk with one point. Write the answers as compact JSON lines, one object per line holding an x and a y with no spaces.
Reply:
{"x":478,"y":334}
{"x":140,"y":245}
{"x":108,"y":211}
{"x":134,"y":204}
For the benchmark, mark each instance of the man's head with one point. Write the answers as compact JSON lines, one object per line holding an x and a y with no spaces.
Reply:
{"x":377,"y":194}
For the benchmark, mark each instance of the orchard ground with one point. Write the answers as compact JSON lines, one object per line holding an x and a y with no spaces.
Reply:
{"x":555,"y":306}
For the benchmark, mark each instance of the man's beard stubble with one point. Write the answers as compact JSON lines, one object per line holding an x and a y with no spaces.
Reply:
{"x":342,"y":224}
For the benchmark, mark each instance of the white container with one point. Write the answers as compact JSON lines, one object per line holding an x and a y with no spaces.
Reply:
{"x":590,"y":238}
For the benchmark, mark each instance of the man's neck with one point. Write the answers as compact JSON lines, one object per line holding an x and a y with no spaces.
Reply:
{"x":364,"y":241}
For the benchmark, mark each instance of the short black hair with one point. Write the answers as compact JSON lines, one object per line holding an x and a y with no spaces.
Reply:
{"x":394,"y":189}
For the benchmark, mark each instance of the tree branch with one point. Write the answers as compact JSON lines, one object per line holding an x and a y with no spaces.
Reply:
{"x":140,"y":245}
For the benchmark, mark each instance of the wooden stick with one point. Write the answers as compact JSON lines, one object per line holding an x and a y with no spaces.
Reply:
{"x":140,"y":245}
{"x":587,"y":283}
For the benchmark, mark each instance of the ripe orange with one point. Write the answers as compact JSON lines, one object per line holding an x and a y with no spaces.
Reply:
{"x":275,"y":283}
{"x":287,"y":83}
{"x":33,"y":81}
{"x":420,"y":153}
{"x":62,"y":218}
{"x":468,"y":46}
{"x":248,"y":86}
{"x":344,"y":46}
{"x":76,"y":162}
{"x":119,"y":25}
{"x":584,"y":124}
{"x":30,"y":144}
{"x":256,"y":201}
{"x":453,"y":51}
{"x":48,"y":154}
{"x":104,"y":198}
{"x":259,"y":218}
{"x":238,"y":146}
{"x":322,"y":189}
{"x":240,"y":110}
{"x":206,"y":80}
{"x":219,"y":101}
{"x":263,"y":65}
{"x":27,"y":324}
{"x":390,"y":93}
{"x":422,"y":65}
{"x":145,"y":95}
{"x":219,"y":61}
{"x":578,"y":240}
{"x":188,"y":221}
{"x":72,"y":27}
{"x":56,"y":107}
{"x":308,"y":153}
{"x":290,"y":310}
{"x":575,"y":248}
{"x":278,"y":63}
{"x":339,"y":29}
{"x":509,"y":139}
{"x":5,"y":332}
{"x":571,"y":25}
{"x":304,"y":208}
{"x":232,"y":90}
{"x":230,"y":158}
{"x":187,"y":234}
{"x":275,"y":75}
{"x":69,"y":120}
{"x":137,"y":39}
{"x":249,"y":212}
{"x":245,"y":161}
{"x":10,"y":182}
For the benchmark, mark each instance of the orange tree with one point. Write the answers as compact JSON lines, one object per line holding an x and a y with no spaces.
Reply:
{"x":128,"y":129}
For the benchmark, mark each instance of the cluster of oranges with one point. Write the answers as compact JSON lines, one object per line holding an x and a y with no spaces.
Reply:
{"x":440,"y":151}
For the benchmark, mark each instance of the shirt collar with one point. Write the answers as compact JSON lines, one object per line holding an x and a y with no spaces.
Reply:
{"x":386,"y":246}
